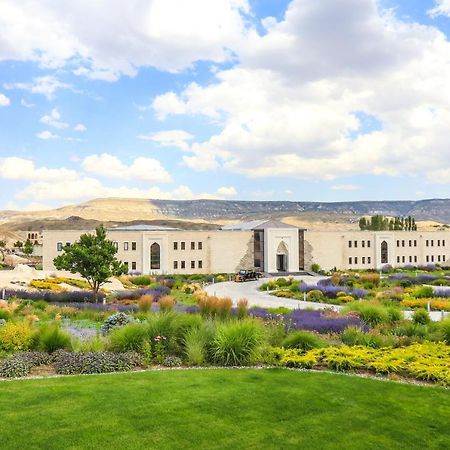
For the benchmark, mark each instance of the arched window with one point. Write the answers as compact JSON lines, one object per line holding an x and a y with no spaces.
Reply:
{"x":155,"y":256}
{"x":384,"y":253}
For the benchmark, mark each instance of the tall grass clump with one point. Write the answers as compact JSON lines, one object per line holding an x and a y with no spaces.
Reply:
{"x":445,"y":330}
{"x":371,"y":313}
{"x":303,"y":340}
{"x":145,"y":302}
{"x":197,"y":343}
{"x":167,"y":303}
{"x":131,"y":337}
{"x":51,"y":338}
{"x":237,"y":343}
{"x":242,"y":308}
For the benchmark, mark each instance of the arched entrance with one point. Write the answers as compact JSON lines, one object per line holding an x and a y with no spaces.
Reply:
{"x":282,"y":257}
{"x":155,"y":256}
{"x":384,"y":253}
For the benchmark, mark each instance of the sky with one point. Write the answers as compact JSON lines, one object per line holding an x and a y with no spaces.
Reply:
{"x":305,"y":100}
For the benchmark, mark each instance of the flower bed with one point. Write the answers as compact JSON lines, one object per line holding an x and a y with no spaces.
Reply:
{"x":436,"y":304}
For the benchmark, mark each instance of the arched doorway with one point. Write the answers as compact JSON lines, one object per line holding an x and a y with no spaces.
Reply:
{"x":282,"y":257}
{"x":155,"y":256}
{"x":384,"y":253}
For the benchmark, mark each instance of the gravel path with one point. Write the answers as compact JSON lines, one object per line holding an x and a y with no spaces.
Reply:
{"x":249,"y":290}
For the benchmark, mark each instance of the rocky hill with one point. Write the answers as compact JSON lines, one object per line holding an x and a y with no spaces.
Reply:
{"x":115,"y":211}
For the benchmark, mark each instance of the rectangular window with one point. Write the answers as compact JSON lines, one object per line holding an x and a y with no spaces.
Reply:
{"x":426,"y":242}
{"x":356,"y":244}
{"x":443,"y":258}
{"x":415,"y":258}
{"x":432,"y":242}
{"x":403,"y":259}
{"x":175,"y":264}
{"x":410,"y":243}
{"x":200,"y":245}
{"x":432,"y":258}
{"x":398,"y":259}
{"x":369,"y":259}
{"x":356,"y":260}
{"x":398,"y":243}
{"x":439,"y":258}
{"x":349,"y":244}
{"x":438,"y":243}
{"x":59,"y":246}
{"x":192,"y":245}
{"x":133,"y":265}
{"x":192,"y":264}
{"x":175,"y":245}
{"x":363,"y":259}
{"x":410,"y":259}
{"x":415,"y":243}
{"x":200,"y":264}
{"x":350,"y":260}
{"x":183,"y":264}
{"x":368,"y":244}
{"x":183,"y":246}
{"x":403,"y":243}
{"x":428,"y":258}
{"x":68,"y":244}
{"x":133,"y":246}
{"x":125,"y":245}
{"x":363,"y":243}
{"x":443,"y":242}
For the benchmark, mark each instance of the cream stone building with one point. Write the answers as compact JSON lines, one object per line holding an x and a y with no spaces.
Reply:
{"x":265,"y":245}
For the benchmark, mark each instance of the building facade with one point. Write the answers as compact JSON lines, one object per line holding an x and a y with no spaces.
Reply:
{"x":265,"y":245}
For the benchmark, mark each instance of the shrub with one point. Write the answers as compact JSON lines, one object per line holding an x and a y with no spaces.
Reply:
{"x":16,"y":336}
{"x":421,"y":316}
{"x":51,"y":338}
{"x":128,"y":338}
{"x":141,"y":280}
{"x":445,"y":330}
{"x":145,"y":303}
{"x":315,"y":296}
{"x":315,"y":267}
{"x":423,"y":292}
{"x":172,"y":361}
{"x":116,"y":320}
{"x":303,"y":340}
{"x":67,"y":363}
{"x":223,"y":307}
{"x":21,"y":364}
{"x":237,"y":343}
{"x":353,"y":336}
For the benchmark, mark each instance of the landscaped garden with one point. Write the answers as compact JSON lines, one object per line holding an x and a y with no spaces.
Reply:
{"x":222,"y":409}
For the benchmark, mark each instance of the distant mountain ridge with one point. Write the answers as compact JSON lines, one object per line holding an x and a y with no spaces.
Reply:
{"x":116,"y":210}
{"x":433,"y":209}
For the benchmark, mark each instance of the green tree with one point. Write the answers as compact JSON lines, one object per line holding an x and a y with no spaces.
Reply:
{"x":2,"y":248}
{"x":363,"y":223}
{"x":28,"y":248}
{"x":18,"y":244}
{"x":93,"y":257}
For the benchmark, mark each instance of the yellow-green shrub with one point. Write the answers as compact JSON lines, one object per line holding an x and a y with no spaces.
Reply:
{"x":16,"y":336}
{"x":436,"y":304}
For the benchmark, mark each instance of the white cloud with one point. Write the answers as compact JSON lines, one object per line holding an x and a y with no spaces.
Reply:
{"x":441,"y":8}
{"x":53,"y":119}
{"x":80,"y":127}
{"x":291,"y":106}
{"x":46,"y":85}
{"x":226,"y":192}
{"x":25,"y":104}
{"x":4,"y":100}
{"x":170,"y":138}
{"x":167,"y":34}
{"x":142,"y":168}
{"x":14,"y":168}
{"x":345,"y":187}
{"x":46,"y":135}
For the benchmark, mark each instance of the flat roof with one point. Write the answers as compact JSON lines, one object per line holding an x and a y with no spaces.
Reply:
{"x":257,"y":225}
{"x":143,"y":228}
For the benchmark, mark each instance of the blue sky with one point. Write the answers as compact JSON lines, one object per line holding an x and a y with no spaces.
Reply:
{"x":233,"y":99}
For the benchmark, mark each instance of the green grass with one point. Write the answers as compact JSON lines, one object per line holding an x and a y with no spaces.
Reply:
{"x":183,"y":298}
{"x":222,"y":409}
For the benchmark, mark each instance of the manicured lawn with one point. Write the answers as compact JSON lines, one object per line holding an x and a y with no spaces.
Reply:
{"x":222,"y":409}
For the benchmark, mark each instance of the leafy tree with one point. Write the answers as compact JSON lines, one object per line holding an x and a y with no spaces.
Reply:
{"x":93,"y":257}
{"x":28,"y":247}
{"x":2,"y":248}
{"x":363,"y":223}
{"x":18,"y":244}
